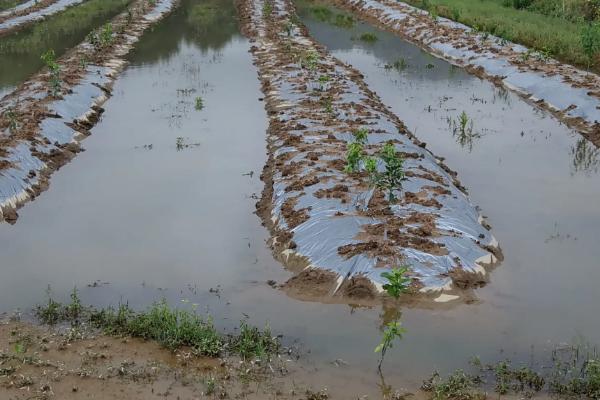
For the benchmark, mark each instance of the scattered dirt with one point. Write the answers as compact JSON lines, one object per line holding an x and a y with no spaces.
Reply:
{"x":45,"y":363}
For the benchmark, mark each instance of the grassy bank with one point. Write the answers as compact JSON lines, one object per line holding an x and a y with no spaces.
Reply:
{"x":535,"y":24}
{"x":6,"y":4}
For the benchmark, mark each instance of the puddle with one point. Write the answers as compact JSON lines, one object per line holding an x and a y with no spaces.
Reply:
{"x":20,"y":52}
{"x":135,"y":218}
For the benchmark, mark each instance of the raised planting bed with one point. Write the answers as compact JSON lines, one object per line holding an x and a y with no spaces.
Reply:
{"x":569,"y":93}
{"x":333,"y":219}
{"x":43,"y":121}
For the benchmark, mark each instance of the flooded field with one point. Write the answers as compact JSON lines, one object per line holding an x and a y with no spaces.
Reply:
{"x":162,"y":202}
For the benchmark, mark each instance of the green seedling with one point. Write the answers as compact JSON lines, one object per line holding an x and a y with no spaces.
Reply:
{"x":49,"y":59}
{"x":393,"y":331}
{"x":354,"y":154}
{"x":106,"y":35}
{"x":210,"y":385}
{"x":13,"y":125}
{"x":429,"y":66}
{"x":310,"y":60}
{"x":391,"y":178}
{"x":344,"y":21}
{"x":463,"y":121}
{"x":398,"y":281}
{"x":328,"y":105}
{"x":199,"y":104}
{"x":360,"y":135}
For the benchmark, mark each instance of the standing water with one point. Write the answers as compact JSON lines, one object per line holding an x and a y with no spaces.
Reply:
{"x":161,"y":205}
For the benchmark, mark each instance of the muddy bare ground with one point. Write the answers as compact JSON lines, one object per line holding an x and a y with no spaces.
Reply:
{"x":72,"y":363}
{"x":572,"y":95}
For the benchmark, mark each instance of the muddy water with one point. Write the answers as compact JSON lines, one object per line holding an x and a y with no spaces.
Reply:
{"x":20,"y":52}
{"x":137,"y":217}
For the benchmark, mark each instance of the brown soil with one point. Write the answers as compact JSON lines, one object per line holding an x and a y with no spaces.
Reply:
{"x":43,"y":363}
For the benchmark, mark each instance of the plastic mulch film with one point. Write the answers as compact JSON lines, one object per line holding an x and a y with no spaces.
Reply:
{"x":336,"y":221}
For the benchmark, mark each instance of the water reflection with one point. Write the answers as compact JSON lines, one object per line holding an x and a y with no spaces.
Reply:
{"x":205,"y":24}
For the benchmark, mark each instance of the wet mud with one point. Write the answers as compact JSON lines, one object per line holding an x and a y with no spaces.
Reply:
{"x":326,"y":220}
{"x":571,"y":94}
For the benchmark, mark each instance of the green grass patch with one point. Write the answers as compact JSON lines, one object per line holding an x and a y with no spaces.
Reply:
{"x":559,"y":34}
{"x":6,"y":4}
{"x":173,"y":328}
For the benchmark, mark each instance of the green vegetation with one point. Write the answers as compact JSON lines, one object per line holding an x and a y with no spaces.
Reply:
{"x":13,"y":124}
{"x":199,"y":104}
{"x":309,"y":60}
{"x":102,"y":37}
{"x":458,"y":386}
{"x":172,"y":328}
{"x":558,"y":27}
{"x":325,"y":14}
{"x":399,"y":65}
{"x":6,"y":4}
{"x":391,"y":178}
{"x":393,"y":330}
{"x":398,"y":281}
{"x":49,"y":59}
{"x":368,"y":37}
{"x":355,"y":152}
{"x":267,"y":8}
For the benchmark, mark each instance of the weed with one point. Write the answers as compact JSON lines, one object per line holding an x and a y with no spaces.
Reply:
{"x":429,"y":66}
{"x":49,"y":59}
{"x":179,"y":143}
{"x":344,"y":21}
{"x":322,"y":13}
{"x":360,"y":135}
{"x":10,"y":114}
{"x":253,"y":342}
{"x":458,"y":386}
{"x":310,"y":60}
{"x":83,"y":62}
{"x":289,"y":27}
{"x":368,"y":37}
{"x":399,"y":65}
{"x":328,"y":105}
{"x":210,"y":385}
{"x":323,"y":80}
{"x":106,"y":34}
{"x":398,"y":281}
{"x":391,"y":178}
{"x":590,"y":42}
{"x":462,"y":129}
{"x":267,"y":8}
{"x":51,"y":313}
{"x":455,"y":13}
{"x":199,"y":103}
{"x":393,"y":330}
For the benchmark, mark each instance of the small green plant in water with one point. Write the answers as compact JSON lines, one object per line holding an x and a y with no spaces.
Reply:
{"x":393,"y":330}
{"x":368,"y":37}
{"x":398,"y":281}
{"x":199,"y":104}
